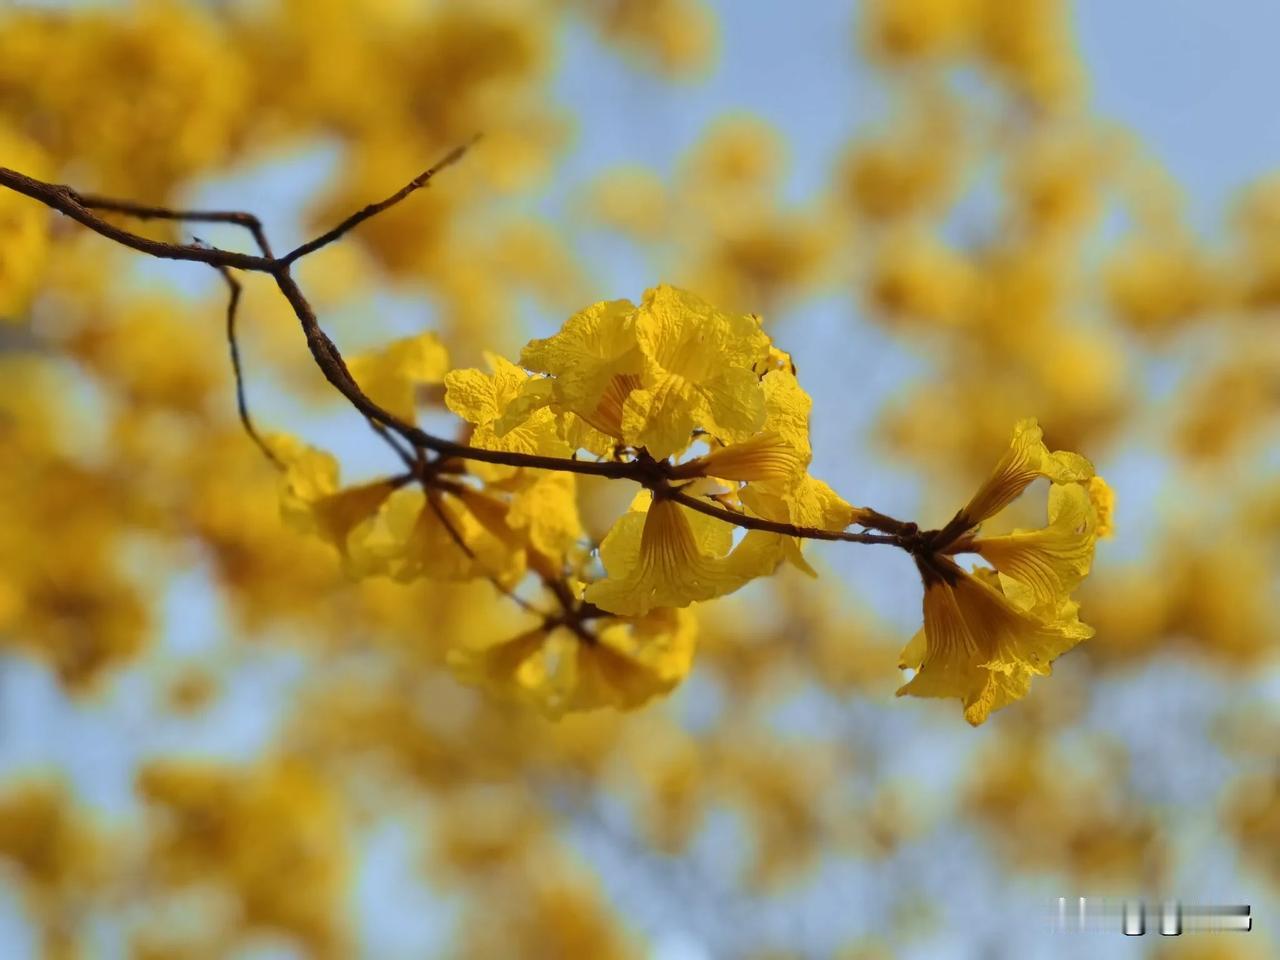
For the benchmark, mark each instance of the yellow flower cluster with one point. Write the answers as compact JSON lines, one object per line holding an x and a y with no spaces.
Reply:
{"x":68,"y":601}
{"x":1097,"y":841}
{"x":706,"y":403}
{"x":657,"y":377}
{"x":675,"y":36}
{"x":270,"y":836}
{"x":176,"y":104}
{"x":1019,"y":43}
{"x":55,"y":854}
{"x":450,"y":533}
{"x":651,"y":381}
{"x":987,"y":633}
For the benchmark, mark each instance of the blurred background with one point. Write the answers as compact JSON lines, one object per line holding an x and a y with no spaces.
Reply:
{"x":953,"y":213}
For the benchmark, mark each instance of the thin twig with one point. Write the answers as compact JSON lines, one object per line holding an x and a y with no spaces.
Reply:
{"x":465,"y":548}
{"x":251,"y":223}
{"x":324,"y":351}
{"x":748,"y":522}
{"x":373,"y":209}
{"x":242,"y":404}
{"x":238,"y":218}
{"x":143,"y":211}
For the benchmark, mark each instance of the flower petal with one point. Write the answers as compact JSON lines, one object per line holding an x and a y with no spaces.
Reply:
{"x":1049,"y":563}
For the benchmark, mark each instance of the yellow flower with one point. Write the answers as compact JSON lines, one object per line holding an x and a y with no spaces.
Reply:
{"x":916,"y":277}
{"x":901,"y":173}
{"x":811,"y":503}
{"x":1055,"y":178}
{"x":381,"y":528}
{"x":677,"y":37}
{"x":1029,"y":45}
{"x":482,"y":399}
{"x":24,"y":229}
{"x":546,"y":513}
{"x":670,"y":556}
{"x":310,"y":500}
{"x":594,"y":361}
{"x":776,"y":457}
{"x":413,"y":535}
{"x":648,"y":376}
{"x":762,"y":254}
{"x":773,"y":465}
{"x":633,"y":201}
{"x":1026,"y":459}
{"x":47,"y":841}
{"x":907,"y":30}
{"x":977,"y":645}
{"x":1253,"y":816}
{"x":624,"y":665}
{"x":1230,"y":400}
{"x":765,"y":458}
{"x":1040,"y":567}
{"x":270,"y":837}
{"x":698,"y":372}
{"x":390,"y":375}
{"x":1155,"y":285}
{"x":985,"y":634}
{"x":739,"y":158}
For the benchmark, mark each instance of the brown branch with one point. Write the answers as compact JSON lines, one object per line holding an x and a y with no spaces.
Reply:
{"x":875,"y":520}
{"x":748,"y":522}
{"x":144,"y":212}
{"x":66,"y":201}
{"x":239,"y":218}
{"x":324,"y":351}
{"x":251,"y":223}
{"x":242,"y":404}
{"x":652,"y":474}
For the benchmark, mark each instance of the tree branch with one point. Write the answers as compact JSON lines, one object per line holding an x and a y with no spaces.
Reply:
{"x":251,"y":223}
{"x":775,"y":526}
{"x":655,"y":475}
{"x":233,"y":344}
{"x":143,"y":212}
{"x":66,"y":201}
